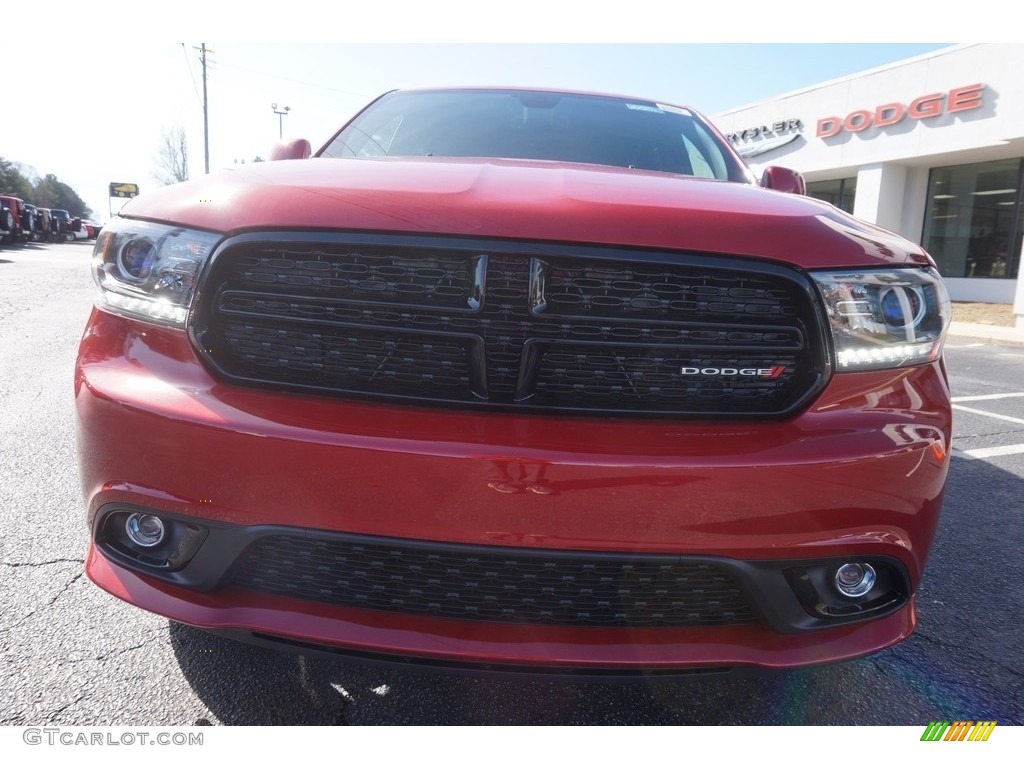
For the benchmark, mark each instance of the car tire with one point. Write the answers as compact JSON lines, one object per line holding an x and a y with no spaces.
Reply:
{"x":8,"y":220}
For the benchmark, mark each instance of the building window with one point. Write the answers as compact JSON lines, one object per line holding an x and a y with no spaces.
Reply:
{"x":839,"y":192}
{"x":972,"y":226}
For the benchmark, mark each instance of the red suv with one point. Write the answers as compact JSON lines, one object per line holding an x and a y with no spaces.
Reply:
{"x":12,"y":219}
{"x":521,"y":380}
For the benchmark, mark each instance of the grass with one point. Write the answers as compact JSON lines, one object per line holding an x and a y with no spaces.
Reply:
{"x":985,"y":314}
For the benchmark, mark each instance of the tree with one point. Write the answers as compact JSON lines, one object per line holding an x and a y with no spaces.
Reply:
{"x":172,"y":157}
{"x":47,"y":192}
{"x":51,"y":192}
{"x":13,"y":181}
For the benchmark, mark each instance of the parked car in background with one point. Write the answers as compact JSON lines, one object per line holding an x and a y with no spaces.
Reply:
{"x":44,"y":225}
{"x":29,"y":222}
{"x":14,"y":218}
{"x":83,"y":230}
{"x":517,"y":380}
{"x":6,"y":221}
{"x":61,"y":224}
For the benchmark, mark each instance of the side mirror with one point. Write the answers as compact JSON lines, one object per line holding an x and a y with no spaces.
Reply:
{"x":783,"y":180}
{"x":293,"y":149}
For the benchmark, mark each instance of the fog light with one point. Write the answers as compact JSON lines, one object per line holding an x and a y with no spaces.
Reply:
{"x":855,"y":579}
{"x":144,"y":530}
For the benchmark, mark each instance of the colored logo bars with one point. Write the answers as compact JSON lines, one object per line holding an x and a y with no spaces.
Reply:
{"x":961,"y":730}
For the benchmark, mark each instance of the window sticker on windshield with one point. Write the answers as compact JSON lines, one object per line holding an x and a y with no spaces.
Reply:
{"x":644,"y":108}
{"x":674,"y":110}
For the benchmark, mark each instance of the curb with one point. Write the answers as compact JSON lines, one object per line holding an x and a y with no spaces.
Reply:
{"x":993,"y":334}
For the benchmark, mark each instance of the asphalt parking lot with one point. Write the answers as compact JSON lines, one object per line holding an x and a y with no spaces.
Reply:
{"x":76,"y":656}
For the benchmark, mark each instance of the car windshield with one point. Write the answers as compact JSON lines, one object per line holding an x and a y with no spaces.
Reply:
{"x":537,"y":125}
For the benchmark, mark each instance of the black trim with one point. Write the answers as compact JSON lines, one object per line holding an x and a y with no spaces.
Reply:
{"x":766,"y":583}
{"x":471,"y":381}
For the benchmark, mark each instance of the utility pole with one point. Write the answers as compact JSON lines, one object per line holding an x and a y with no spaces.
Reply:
{"x":206,"y":112}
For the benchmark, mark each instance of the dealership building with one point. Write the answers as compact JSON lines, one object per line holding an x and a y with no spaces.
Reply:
{"x":930,"y":147}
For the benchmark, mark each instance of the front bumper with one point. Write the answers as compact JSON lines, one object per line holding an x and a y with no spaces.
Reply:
{"x":859,"y":474}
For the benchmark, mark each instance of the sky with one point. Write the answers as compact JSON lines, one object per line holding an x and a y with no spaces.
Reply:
{"x":129,"y":81}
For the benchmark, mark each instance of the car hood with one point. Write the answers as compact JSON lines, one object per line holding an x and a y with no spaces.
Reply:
{"x":527,"y":200}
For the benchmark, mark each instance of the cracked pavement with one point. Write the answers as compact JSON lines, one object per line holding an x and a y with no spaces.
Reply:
{"x":74,"y":655}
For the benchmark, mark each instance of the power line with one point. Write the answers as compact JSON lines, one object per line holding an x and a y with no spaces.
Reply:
{"x":294,"y":80}
{"x":192,"y":77}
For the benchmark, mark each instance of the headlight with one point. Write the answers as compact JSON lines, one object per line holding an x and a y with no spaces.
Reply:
{"x":885,"y":319}
{"x":149,"y":270}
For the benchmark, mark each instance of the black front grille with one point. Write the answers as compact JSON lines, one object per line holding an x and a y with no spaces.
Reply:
{"x":512,"y":326}
{"x":495,"y":584}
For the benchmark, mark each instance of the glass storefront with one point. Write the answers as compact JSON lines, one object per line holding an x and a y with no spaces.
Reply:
{"x":972,"y":225}
{"x":839,"y":192}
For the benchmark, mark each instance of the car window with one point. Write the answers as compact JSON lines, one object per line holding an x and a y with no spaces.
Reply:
{"x":539,"y":126}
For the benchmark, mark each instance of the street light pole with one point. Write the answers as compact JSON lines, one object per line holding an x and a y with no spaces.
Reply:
{"x":280,"y":118}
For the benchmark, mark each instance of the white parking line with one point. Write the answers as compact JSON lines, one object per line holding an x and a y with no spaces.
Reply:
{"x":999,"y":450}
{"x":969,"y":398}
{"x":987,"y":453}
{"x":991,"y":415}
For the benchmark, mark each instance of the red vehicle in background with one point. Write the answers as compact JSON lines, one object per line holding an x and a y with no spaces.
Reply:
{"x":13,"y":220}
{"x":519,"y":380}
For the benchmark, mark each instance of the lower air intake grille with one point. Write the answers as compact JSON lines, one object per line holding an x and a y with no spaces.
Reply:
{"x":496,"y":584}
